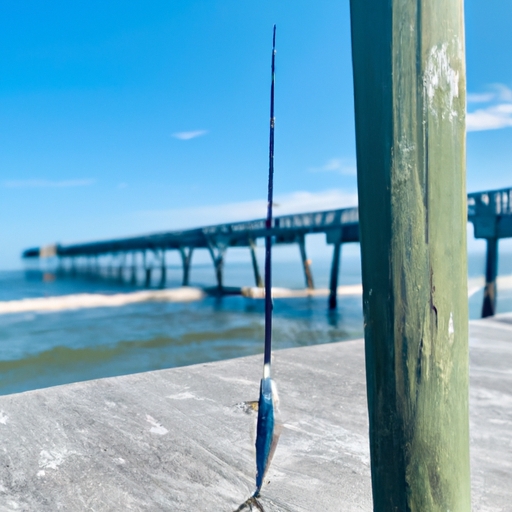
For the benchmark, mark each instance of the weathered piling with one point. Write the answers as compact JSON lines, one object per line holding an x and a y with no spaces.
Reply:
{"x":163,"y":269}
{"x":217,"y":252}
{"x":186,"y":258}
{"x":306,"y":263}
{"x":120,"y":268}
{"x":133,"y":279}
{"x":491,"y":272}
{"x":147,"y":270}
{"x":409,"y":80}
{"x":256,"y":269}
{"x":335,"y":270}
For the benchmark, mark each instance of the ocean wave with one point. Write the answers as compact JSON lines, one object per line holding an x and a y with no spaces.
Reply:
{"x":97,"y":300}
{"x":63,"y":364}
{"x":477,"y":284}
{"x":188,"y":294}
{"x":255,"y":292}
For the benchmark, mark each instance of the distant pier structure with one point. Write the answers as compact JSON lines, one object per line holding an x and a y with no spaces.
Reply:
{"x":490,"y":213}
{"x":339,"y":226}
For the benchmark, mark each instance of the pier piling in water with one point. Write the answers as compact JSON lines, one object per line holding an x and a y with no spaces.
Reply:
{"x":306,"y":263}
{"x":256,"y":269}
{"x":163,"y":269}
{"x":491,"y":273}
{"x":186,"y":258}
{"x":335,"y":270}
{"x":133,"y":279}
{"x":217,"y":251}
{"x":120,"y":268}
{"x":147,"y":269}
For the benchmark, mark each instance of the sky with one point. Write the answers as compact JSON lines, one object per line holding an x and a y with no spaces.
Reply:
{"x":121,"y":118}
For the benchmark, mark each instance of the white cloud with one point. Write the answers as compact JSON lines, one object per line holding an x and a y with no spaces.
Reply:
{"x":484,"y":97}
{"x":497,"y":115}
{"x":296,"y":202}
{"x":500,"y":92}
{"x":189,"y":135}
{"x":47,"y":183}
{"x":490,"y":118}
{"x":338,"y":165}
{"x":503,"y":93}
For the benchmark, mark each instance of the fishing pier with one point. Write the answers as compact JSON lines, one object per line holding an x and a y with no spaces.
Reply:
{"x":124,"y":255}
{"x":490,"y":212}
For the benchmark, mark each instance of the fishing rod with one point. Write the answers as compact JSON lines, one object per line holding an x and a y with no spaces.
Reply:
{"x":265,"y":439}
{"x":266,"y":434}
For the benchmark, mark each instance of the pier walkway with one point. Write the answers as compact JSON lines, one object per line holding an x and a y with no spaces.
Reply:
{"x":180,"y":439}
{"x":489,"y":211}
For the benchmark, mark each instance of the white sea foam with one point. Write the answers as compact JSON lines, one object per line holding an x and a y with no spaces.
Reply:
{"x":475,"y":285}
{"x":259,"y":293}
{"x":97,"y":300}
{"x":188,"y":294}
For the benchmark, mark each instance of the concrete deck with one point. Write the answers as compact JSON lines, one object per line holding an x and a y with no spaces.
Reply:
{"x":180,"y":439}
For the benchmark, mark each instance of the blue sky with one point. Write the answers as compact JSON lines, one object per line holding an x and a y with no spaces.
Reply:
{"x":119,"y":118}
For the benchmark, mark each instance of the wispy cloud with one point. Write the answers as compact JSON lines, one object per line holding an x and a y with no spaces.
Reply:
{"x":497,"y":93}
{"x":296,"y":202}
{"x":491,"y":118}
{"x":47,"y":183}
{"x":338,"y":165}
{"x":189,"y":135}
{"x":503,"y":92}
{"x":483,"y":97}
{"x":496,"y":115}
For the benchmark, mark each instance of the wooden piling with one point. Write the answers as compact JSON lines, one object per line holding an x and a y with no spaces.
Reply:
{"x":306,"y":264}
{"x":186,"y":258}
{"x":120,"y":268}
{"x":133,"y":279}
{"x":409,"y":86}
{"x":491,"y":272}
{"x":335,"y":270}
{"x":147,"y":270}
{"x":163,"y":270}
{"x":217,"y":251}
{"x":257,"y":275}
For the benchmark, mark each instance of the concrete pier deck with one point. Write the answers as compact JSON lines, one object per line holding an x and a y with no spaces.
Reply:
{"x":181,"y":439}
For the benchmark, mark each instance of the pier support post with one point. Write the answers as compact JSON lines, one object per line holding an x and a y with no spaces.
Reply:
{"x":306,"y":264}
{"x":217,"y":252}
{"x":186,"y":258}
{"x":108,"y":268}
{"x":133,"y":279}
{"x":96,"y":267}
{"x":409,"y":87}
{"x":491,"y":272}
{"x":257,"y":276}
{"x":335,"y":270}
{"x":163,"y":270}
{"x":120,"y":269}
{"x":60,"y":266}
{"x":147,"y":270}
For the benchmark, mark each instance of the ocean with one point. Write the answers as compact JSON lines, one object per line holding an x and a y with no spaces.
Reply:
{"x":81,"y":337}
